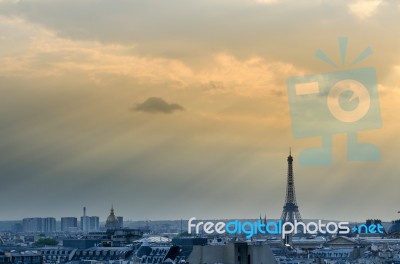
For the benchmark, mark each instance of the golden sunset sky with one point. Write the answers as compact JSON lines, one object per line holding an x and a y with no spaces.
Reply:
{"x":178,"y":108}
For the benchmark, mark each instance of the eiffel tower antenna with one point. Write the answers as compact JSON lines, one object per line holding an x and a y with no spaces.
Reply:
{"x":290,"y":211}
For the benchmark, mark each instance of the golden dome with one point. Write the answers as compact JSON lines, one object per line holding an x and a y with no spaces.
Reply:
{"x":112,"y":221}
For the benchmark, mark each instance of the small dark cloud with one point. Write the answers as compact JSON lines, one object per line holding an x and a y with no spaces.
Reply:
{"x":157,"y":105}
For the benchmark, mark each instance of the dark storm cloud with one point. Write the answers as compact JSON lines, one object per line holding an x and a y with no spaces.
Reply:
{"x":158,"y":105}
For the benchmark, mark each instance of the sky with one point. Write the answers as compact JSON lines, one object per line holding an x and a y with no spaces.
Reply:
{"x":176,"y":109}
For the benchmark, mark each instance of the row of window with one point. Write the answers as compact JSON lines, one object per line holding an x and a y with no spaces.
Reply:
{"x":152,"y":260}
{"x":56,"y":252}
{"x":158,"y":251}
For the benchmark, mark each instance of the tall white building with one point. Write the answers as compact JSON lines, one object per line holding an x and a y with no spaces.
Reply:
{"x":49,"y":225}
{"x":69,"y":223}
{"x":37,"y":224}
{"x":33,"y":224}
{"x":89,"y":223}
{"x":120,"y":221}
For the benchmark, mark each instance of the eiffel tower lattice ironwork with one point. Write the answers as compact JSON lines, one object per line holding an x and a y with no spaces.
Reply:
{"x":290,"y":211}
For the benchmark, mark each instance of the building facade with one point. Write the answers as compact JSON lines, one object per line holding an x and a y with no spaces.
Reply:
{"x":69,"y":224}
{"x":33,"y":224}
{"x":120,"y":221}
{"x":90,"y":223}
{"x":37,"y":224}
{"x":49,"y":225}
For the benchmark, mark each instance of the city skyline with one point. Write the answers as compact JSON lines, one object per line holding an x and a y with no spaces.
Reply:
{"x":178,"y":109}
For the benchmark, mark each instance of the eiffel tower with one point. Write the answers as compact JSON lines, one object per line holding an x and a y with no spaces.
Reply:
{"x":290,"y":211}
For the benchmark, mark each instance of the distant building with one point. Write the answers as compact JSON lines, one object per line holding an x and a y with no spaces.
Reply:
{"x":394,"y":229}
{"x":81,"y":243}
{"x":49,"y":225}
{"x":94,"y":223}
{"x":120,"y":221}
{"x":68,"y":223}
{"x":37,"y":224}
{"x":89,"y":223}
{"x":112,"y":221}
{"x":84,"y":221}
{"x":17,"y":228}
{"x":116,"y":237}
{"x":32,"y":224}
{"x":121,"y":237}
